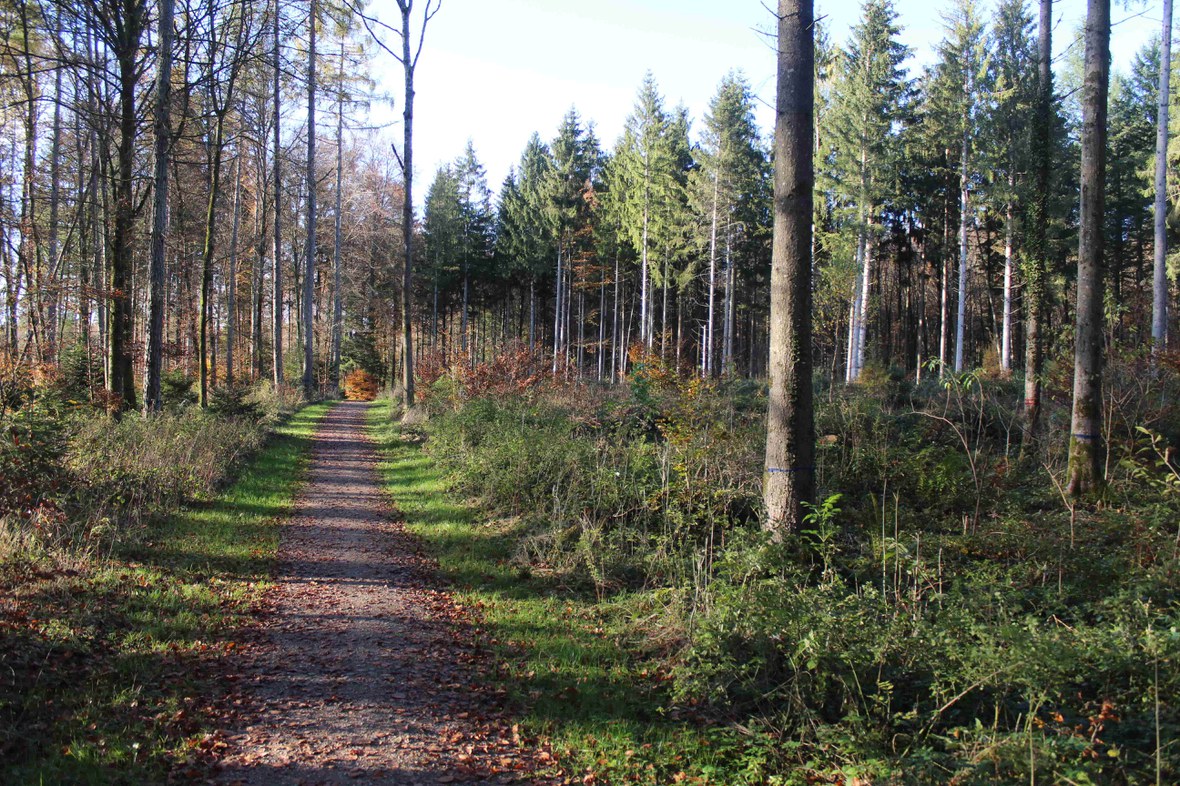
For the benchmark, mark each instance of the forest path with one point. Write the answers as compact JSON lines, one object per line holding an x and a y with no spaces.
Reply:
{"x":363,"y":671}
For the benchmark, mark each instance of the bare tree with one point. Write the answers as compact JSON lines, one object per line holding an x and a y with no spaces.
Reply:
{"x":1085,"y":441}
{"x":411,"y":51}
{"x":790,"y":434}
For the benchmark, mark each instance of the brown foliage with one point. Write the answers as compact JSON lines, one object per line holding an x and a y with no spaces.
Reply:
{"x":359,"y":385}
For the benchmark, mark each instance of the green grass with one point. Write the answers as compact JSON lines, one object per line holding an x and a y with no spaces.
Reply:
{"x":575,"y":664}
{"x":112,"y":667}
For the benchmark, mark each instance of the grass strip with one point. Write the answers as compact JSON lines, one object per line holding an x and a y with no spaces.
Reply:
{"x":574,"y":662}
{"x":109,"y":667}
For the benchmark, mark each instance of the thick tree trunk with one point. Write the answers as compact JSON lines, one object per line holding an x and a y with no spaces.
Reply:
{"x":789,"y":481}
{"x":1159,"y":311}
{"x":157,"y":271}
{"x":122,"y":312}
{"x":1085,"y":442}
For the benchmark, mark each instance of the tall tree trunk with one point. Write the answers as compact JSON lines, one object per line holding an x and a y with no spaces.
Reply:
{"x":122,"y":314}
{"x":789,"y":482}
{"x":231,"y":284}
{"x":1006,"y":330}
{"x":964,"y":197}
{"x":1085,"y":442}
{"x":1037,"y":251}
{"x":157,"y":272}
{"x":218,"y":146}
{"x":409,"y":62}
{"x":1159,"y":311}
{"x":337,"y":299}
{"x":310,"y":253}
{"x":51,"y":332}
{"x":707,"y":348}
{"x":277,"y":265}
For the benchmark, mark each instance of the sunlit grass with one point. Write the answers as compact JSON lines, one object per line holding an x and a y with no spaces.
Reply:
{"x":117,"y":658}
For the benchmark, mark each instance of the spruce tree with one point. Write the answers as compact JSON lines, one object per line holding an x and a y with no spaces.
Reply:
{"x":869,"y":102}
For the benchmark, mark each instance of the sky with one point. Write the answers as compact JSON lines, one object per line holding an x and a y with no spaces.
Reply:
{"x":495,"y":71}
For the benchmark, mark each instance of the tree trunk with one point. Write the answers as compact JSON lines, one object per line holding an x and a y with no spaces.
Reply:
{"x":964,"y":197}
{"x":1159,"y":311}
{"x":277,"y":265}
{"x":310,"y":253}
{"x":1037,"y":251}
{"x":789,"y":482}
{"x":1006,"y":330}
{"x":337,"y":299}
{"x":218,"y":144}
{"x":157,"y":275}
{"x":1085,"y":442}
{"x":231,"y":284}
{"x":122,"y":312}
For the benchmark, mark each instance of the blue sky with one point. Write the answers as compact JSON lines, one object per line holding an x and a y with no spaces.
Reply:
{"x":497,"y":70}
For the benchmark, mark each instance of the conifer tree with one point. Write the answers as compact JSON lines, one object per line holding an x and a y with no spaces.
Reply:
{"x":961,"y":83}
{"x":726,"y":182}
{"x":1006,"y":154}
{"x":868,"y":105}
{"x":646,"y":178}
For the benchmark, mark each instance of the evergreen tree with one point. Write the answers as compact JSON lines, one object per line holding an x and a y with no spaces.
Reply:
{"x":647,"y":178}
{"x":524,"y":238}
{"x":725,"y":187}
{"x":1006,"y":154}
{"x":962,"y":86}
{"x":476,"y":226}
{"x":868,"y":108}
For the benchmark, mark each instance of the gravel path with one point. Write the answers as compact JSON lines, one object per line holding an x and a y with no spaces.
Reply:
{"x":364,"y":672}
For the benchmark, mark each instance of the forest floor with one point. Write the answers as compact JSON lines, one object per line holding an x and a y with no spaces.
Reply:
{"x":363,"y":669}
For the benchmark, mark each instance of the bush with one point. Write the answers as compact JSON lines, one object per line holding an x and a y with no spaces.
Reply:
{"x":359,"y":385}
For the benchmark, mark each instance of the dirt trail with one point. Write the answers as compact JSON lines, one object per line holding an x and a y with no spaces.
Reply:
{"x":362,"y":674}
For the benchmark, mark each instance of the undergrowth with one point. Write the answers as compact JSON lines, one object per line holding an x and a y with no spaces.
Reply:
{"x":946,"y":617}
{"x":109,"y":655}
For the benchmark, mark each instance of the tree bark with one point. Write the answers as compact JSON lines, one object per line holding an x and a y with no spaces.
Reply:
{"x":277,"y":267}
{"x":157,"y":272}
{"x":1159,"y":311}
{"x":789,"y":481}
{"x":1037,"y":263}
{"x":310,"y":254}
{"x":337,"y":299}
{"x":1085,"y":442}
